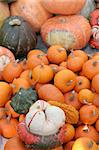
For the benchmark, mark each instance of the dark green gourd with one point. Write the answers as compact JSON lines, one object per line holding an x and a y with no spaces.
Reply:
{"x":17,"y":35}
{"x":23,"y":99}
{"x":7,"y":1}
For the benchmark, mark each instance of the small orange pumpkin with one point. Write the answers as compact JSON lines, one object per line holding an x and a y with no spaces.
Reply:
{"x":56,"y":54}
{"x":88,"y":114}
{"x":42,"y":73}
{"x":65,"y":80}
{"x":95,"y":83}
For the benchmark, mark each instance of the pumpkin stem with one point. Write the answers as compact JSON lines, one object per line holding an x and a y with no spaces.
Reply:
{"x":95,"y":63}
{"x":40,"y":55}
{"x":85,"y":102}
{"x":72,"y":53}
{"x":15,"y":22}
{"x":61,"y":49}
{"x":72,"y":95}
{"x":12,"y":85}
{"x":90,"y":144}
{"x":86,"y":129}
{"x":94,"y":112}
{"x":69,"y":82}
{"x":9,"y":117}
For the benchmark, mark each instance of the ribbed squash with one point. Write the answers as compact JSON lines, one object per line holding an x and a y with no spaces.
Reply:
{"x":66,"y":7}
{"x":32,"y":11}
{"x":72,"y":32}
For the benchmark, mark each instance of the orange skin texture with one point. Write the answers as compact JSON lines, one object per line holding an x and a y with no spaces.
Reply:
{"x":90,"y":68}
{"x":35,"y":60}
{"x":8,"y":127}
{"x":22,"y":8}
{"x":59,"y":52}
{"x":85,"y":143}
{"x":14,"y":144}
{"x":73,"y":64}
{"x":20,"y":83}
{"x":42,"y":73}
{"x":95,"y":83}
{"x":86,"y":96}
{"x":82,"y":83}
{"x":12,"y":71}
{"x":61,"y":7}
{"x":97,"y":125}
{"x":34,"y":52}
{"x":77,"y":25}
{"x":90,"y":133}
{"x":71,"y":98}
{"x":96,"y":100}
{"x":78,"y":53}
{"x":67,"y":78}
{"x":38,"y":85}
{"x":88,"y":114}
{"x":52,"y":93}
{"x":63,"y":64}
{"x":69,"y":145}
{"x":10,"y":110}
{"x":6,"y":93}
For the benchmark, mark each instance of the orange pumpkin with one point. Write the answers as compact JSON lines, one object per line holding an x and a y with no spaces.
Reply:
{"x":35,"y":52}
{"x":5,"y":94}
{"x":35,"y":60}
{"x":4,"y":12}
{"x":88,"y":114}
{"x":2,"y":112}
{"x":84,"y":143}
{"x":10,"y":110}
{"x":87,"y":131}
{"x":54,"y":67}
{"x":69,"y":145}
{"x":56,"y":54}
{"x":50,"y":92}
{"x":71,"y":98}
{"x":20,"y":83}
{"x":8,"y":127}
{"x":95,"y":83}
{"x":96,"y":100}
{"x":42,"y":73}
{"x":11,"y":71}
{"x":78,"y":53}
{"x":85,"y":96}
{"x":14,"y":144}
{"x":65,"y":80}
{"x":72,"y":32}
{"x":63,"y":7}
{"x":90,"y":68}
{"x":32,"y":11}
{"x":81,"y":83}
{"x":38,"y":85}
{"x":21,"y":118}
{"x":97,"y":125}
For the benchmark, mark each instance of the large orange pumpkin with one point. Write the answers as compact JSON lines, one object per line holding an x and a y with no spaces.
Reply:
{"x":32,"y":11}
{"x":66,"y":7}
{"x":72,"y":32}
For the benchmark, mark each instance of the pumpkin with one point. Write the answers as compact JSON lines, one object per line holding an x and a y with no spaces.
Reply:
{"x":88,"y":114}
{"x":84,"y":143}
{"x":69,"y":145}
{"x":67,"y":78}
{"x":72,"y":32}
{"x":95,"y":83}
{"x":32,"y":11}
{"x":17,"y":35}
{"x":50,"y":92}
{"x":64,"y":7}
{"x":96,"y":99}
{"x":14,"y":143}
{"x":97,"y":125}
{"x":6,"y":93}
{"x":22,"y":100}
{"x":88,"y":8}
{"x":4,"y":12}
{"x":87,"y":131}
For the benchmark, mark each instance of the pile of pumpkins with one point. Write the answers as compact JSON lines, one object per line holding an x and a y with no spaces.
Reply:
{"x":64,"y":74}
{"x":65,"y":23}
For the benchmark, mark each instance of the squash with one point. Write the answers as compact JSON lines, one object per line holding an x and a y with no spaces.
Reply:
{"x":72,"y":32}
{"x":66,"y":7}
{"x":32,"y":11}
{"x":17,"y":35}
{"x":7,"y":1}
{"x":88,"y":8}
{"x":4,"y":12}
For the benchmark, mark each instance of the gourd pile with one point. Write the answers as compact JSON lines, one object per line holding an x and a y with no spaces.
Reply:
{"x":49,"y":100}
